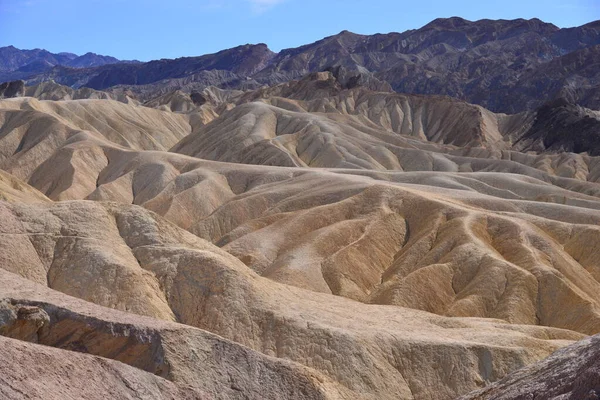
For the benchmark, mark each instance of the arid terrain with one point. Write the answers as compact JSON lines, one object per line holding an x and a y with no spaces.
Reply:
{"x":319,"y":233}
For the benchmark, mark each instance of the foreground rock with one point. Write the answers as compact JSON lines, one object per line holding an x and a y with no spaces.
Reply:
{"x":99,"y":351}
{"x":40,"y":372}
{"x":572,"y":373}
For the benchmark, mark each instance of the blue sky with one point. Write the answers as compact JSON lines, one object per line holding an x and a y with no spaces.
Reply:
{"x":152,"y":29}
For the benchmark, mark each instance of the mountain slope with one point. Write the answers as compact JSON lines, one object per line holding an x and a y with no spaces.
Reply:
{"x":11,"y":58}
{"x":561,"y":126}
{"x":504,"y":65}
{"x":16,"y":63}
{"x":239,"y":61}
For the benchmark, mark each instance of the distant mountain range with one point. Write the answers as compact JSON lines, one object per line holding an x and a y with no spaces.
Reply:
{"x":504,"y":65}
{"x":18,"y":62}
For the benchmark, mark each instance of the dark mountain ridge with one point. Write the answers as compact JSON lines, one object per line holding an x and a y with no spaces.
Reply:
{"x":19,"y":63}
{"x":11,"y":58}
{"x":504,"y":65}
{"x":561,"y":126}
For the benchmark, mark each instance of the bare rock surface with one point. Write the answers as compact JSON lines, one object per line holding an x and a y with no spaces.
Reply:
{"x":12,"y":89}
{"x":572,"y":373}
{"x":141,"y":357}
{"x":35,"y":371}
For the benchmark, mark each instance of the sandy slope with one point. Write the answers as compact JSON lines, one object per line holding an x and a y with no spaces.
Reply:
{"x":314,"y":122}
{"x":425,"y":261}
{"x":31,"y":130}
{"x":16,"y":191}
{"x":421,"y":240}
{"x":126,"y":258}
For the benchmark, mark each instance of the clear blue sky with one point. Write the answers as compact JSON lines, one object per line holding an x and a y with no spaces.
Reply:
{"x":151,"y":29}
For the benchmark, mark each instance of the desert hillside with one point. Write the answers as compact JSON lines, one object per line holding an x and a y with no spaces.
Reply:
{"x":324,"y":235}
